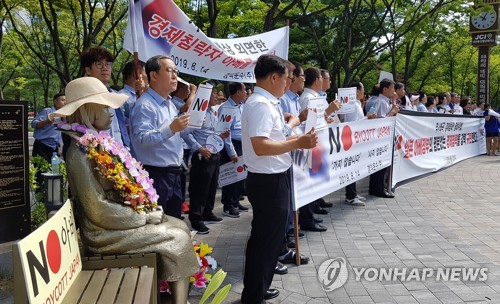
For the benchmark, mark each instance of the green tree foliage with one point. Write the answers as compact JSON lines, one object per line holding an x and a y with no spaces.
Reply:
{"x":423,"y":43}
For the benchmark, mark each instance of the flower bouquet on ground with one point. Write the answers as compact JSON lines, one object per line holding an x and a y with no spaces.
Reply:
{"x":203,"y":276}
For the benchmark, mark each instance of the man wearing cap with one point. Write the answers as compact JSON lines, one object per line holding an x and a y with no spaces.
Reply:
{"x":265,"y":151}
{"x":204,"y":172}
{"x":155,"y":133}
{"x":97,"y":62}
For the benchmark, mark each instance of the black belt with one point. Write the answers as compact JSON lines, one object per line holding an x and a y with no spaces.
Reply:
{"x":171,"y":170}
{"x":269,"y":174}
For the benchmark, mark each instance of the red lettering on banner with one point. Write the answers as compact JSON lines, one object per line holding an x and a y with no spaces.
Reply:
{"x":364,"y":135}
{"x":452,"y":141}
{"x":384,"y":131}
{"x":422,"y":146}
{"x":157,"y":26}
{"x":409,"y":148}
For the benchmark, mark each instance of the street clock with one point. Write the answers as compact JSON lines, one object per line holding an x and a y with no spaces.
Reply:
{"x":484,"y":18}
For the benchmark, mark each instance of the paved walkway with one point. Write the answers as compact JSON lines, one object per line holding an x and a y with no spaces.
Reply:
{"x":448,"y":219}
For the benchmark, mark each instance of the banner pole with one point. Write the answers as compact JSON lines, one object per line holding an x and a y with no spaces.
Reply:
{"x":295,"y":218}
{"x":296,"y":233}
{"x":394,"y":145}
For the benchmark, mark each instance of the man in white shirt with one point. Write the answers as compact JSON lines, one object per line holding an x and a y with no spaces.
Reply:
{"x":351,"y":194}
{"x":457,"y":109}
{"x":265,"y":151}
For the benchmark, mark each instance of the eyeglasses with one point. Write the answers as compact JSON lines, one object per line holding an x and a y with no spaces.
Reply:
{"x":302,"y":75}
{"x":170,"y":70}
{"x":100,"y":65}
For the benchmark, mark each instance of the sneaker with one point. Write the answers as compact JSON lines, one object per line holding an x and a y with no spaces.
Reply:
{"x":361,"y":198}
{"x":231,"y":212}
{"x":355,"y":202}
{"x":201,"y":228}
{"x":211,"y":218}
{"x":241,"y":208}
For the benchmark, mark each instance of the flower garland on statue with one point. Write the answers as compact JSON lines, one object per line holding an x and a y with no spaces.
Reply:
{"x":115,"y":163}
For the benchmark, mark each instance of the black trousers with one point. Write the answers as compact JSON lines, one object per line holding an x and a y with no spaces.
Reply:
{"x":377,"y":182}
{"x":306,"y":215}
{"x":203,"y":178}
{"x":167,"y":182}
{"x":40,"y":149}
{"x":231,"y":193}
{"x":269,"y":195}
{"x":350,"y":191}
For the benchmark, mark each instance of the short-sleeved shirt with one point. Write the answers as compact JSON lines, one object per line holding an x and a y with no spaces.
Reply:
{"x":382,"y":106}
{"x":48,"y":135}
{"x":261,"y":118}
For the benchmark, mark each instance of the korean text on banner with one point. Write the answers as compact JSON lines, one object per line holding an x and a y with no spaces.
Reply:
{"x":163,"y":28}
{"x":347,"y":99}
{"x":345,"y":153}
{"x":50,"y":257}
{"x":199,"y":106}
{"x":427,"y":143}
{"x":231,"y":173}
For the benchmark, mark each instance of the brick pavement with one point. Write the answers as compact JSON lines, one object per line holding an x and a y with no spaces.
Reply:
{"x":447,"y":219}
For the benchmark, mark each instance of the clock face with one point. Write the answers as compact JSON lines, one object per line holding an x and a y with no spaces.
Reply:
{"x":484,"y":20}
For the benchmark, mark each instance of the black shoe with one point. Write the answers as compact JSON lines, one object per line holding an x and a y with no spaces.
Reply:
{"x":201,"y":228}
{"x":280,"y":269}
{"x":211,"y":218}
{"x":314,"y":227}
{"x":290,"y":244}
{"x":239,"y":207}
{"x":290,"y":234}
{"x":231,"y":212}
{"x":271,"y":294}
{"x":318,"y":220}
{"x":242,"y":197}
{"x":384,"y":194}
{"x":319,"y":210}
{"x":321,"y":202}
{"x":289,"y":258}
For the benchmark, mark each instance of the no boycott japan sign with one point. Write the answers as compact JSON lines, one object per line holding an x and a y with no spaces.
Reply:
{"x":50,"y":258}
{"x":231,"y":173}
{"x":345,"y":153}
{"x":426,"y":144}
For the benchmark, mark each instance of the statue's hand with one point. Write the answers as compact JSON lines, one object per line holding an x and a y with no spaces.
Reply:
{"x":154,"y":217}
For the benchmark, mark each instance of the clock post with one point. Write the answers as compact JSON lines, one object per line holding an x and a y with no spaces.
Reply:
{"x":484,"y":26}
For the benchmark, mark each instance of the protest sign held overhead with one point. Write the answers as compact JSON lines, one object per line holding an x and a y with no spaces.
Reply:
{"x":161,"y":27}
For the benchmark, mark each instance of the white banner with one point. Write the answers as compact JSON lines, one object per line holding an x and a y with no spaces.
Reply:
{"x":162,"y":28}
{"x":231,"y":173}
{"x":426,"y":144}
{"x":345,"y":153}
{"x":50,"y":258}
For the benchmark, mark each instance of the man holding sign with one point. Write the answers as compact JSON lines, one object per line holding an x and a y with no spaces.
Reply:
{"x":265,"y":151}
{"x":155,"y":133}
{"x":204,"y":173}
{"x":232,"y":192}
